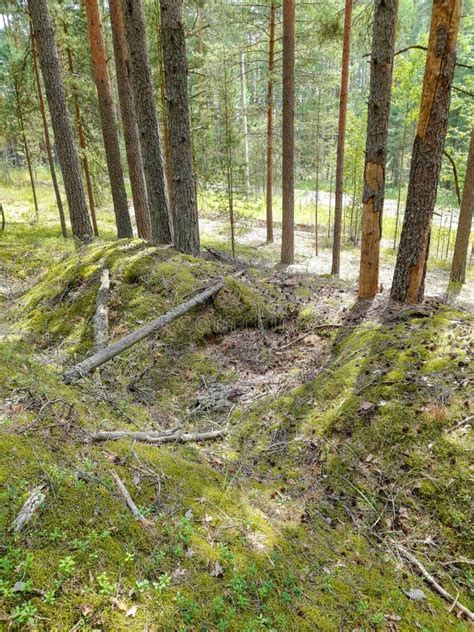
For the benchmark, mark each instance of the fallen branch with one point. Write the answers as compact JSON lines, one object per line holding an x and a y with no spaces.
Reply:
{"x":31,"y":506}
{"x":101,"y":316}
{"x":155,"y":437}
{"x":432,"y":581}
{"x":308,"y":333}
{"x":104,"y":355}
{"x":464,"y":422}
{"x":2,"y":212}
{"x":129,"y":500}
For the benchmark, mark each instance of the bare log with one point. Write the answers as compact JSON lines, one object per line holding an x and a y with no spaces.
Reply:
{"x":155,"y":437}
{"x":101,"y":316}
{"x":31,"y":506}
{"x":104,"y":355}
{"x":123,"y":491}
{"x":433,"y":583}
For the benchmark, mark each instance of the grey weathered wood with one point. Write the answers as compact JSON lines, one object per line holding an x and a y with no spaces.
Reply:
{"x":104,"y":355}
{"x":123,"y":491}
{"x":31,"y":506}
{"x":101,"y":316}
{"x":155,"y":437}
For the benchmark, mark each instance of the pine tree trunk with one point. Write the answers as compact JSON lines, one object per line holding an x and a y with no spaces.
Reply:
{"x":107,"y":120}
{"x":410,"y":270}
{"x":288,"y":134}
{"x":269,"y":166}
{"x":82,"y":140}
{"x":144,"y":100}
{"x":318,"y":159}
{"x":341,"y":133}
{"x":64,"y":137}
{"x":458,"y":267}
{"x":164,"y":112}
{"x":383,"y":46}
{"x":185,"y":216}
{"x":130,"y":129}
{"x":243,"y":89}
{"x":47,"y":140}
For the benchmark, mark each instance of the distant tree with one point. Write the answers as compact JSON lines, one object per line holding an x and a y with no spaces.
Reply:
{"x":63,"y":134}
{"x":107,"y":119}
{"x":184,"y":209}
{"x":245,"y":121}
{"x":288,"y":134}
{"x":130,"y":129}
{"x":383,"y":46}
{"x":47,"y":140}
{"x":144,"y":101}
{"x":269,"y":165}
{"x":410,"y":269}
{"x":341,"y":133}
{"x":458,"y":267}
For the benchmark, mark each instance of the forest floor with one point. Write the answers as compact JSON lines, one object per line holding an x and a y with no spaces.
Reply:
{"x":348,"y":443}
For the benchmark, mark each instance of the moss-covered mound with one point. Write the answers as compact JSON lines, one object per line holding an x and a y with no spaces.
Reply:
{"x":287,"y":524}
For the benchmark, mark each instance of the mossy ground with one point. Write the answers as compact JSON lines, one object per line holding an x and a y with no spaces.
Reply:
{"x":285,"y":525}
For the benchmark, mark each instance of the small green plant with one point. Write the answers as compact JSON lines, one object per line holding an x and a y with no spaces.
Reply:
{"x":106,"y":586}
{"x":67,"y":566}
{"x":142,"y":585}
{"x":163,"y":582}
{"x":49,"y":597}
{"x":24,"y":614}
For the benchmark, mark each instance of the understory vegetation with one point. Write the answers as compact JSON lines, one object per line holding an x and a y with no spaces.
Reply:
{"x":343,"y":442}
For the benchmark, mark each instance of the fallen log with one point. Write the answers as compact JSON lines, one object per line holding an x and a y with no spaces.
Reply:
{"x":123,"y":491}
{"x":433,"y":583}
{"x":155,"y":437}
{"x":100,"y":322}
{"x":31,"y":506}
{"x":104,"y":355}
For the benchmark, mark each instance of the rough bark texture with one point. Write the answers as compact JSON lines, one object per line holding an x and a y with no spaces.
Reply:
{"x":383,"y":47}
{"x":341,"y":137}
{"x":288,"y":135}
{"x":144,"y":100}
{"x":184,"y":209}
{"x":130,"y":129}
{"x":410,"y":270}
{"x":63,"y":134}
{"x":155,"y":437}
{"x":458,"y":268}
{"x":107,"y":119}
{"x":82,"y":141}
{"x":47,"y":140}
{"x":271,"y":64}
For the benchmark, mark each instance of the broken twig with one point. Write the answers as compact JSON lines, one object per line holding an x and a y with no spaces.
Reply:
{"x":101,"y":316}
{"x":31,"y":506}
{"x":433,"y":583}
{"x":154,"y":437}
{"x":129,"y":500}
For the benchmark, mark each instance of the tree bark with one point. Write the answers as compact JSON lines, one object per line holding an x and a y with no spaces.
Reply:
{"x":107,"y":119}
{"x":129,"y":123}
{"x":47,"y":140}
{"x":56,"y":96}
{"x":130,"y":129}
{"x":156,"y":438}
{"x":288,"y":135}
{"x":184,"y":209}
{"x":410,"y":270}
{"x":144,"y":100}
{"x":458,"y":266}
{"x":82,"y":140}
{"x":383,"y":48}
{"x":341,"y":134}
{"x":318,"y":160}
{"x":269,"y":183}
